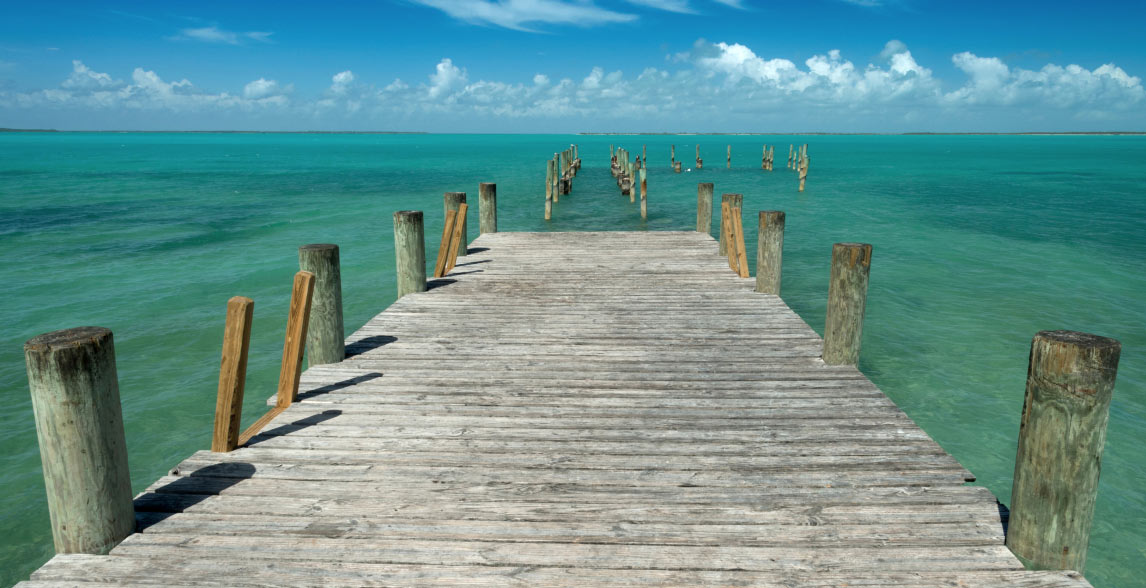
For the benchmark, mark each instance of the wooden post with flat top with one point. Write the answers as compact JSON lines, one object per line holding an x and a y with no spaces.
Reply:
{"x":704,"y":207}
{"x":847,"y":299}
{"x":410,"y":252}
{"x":294,"y":344}
{"x":769,"y":251}
{"x":79,"y":425}
{"x":325,"y":335}
{"x":729,"y":157}
{"x":644,"y":196}
{"x":487,"y":207}
{"x":232,"y":374}
{"x":1070,"y":382}
{"x":549,"y":189}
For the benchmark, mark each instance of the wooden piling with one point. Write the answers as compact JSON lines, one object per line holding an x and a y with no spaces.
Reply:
{"x":631,"y":179}
{"x":410,"y":252}
{"x":1070,"y":381}
{"x":803,"y":172}
{"x":790,"y":150}
{"x":444,"y":245}
{"x":487,"y":207}
{"x":764,"y":158}
{"x":729,"y":157}
{"x":676,"y":167}
{"x":453,"y":200}
{"x":644,"y":155}
{"x":294,"y":343}
{"x":736,"y":244}
{"x":457,"y":242}
{"x":734,"y":201}
{"x":325,"y":335}
{"x":232,"y":374}
{"x":672,"y":157}
{"x":847,"y":298}
{"x":549,"y":189}
{"x":79,"y":425}
{"x":644,"y":196}
{"x":699,"y":161}
{"x":704,"y":207}
{"x":769,"y":251}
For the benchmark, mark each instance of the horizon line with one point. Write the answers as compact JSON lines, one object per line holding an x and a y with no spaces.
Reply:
{"x":582,"y":133}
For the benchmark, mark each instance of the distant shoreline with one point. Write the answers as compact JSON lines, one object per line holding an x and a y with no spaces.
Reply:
{"x":609,"y":134}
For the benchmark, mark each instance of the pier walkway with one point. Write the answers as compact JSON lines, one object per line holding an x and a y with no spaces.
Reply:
{"x":574,"y":409}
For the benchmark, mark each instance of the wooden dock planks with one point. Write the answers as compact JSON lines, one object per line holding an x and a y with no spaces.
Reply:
{"x":574,"y":409}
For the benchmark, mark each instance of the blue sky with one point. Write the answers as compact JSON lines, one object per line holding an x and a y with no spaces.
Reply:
{"x":575,"y":65}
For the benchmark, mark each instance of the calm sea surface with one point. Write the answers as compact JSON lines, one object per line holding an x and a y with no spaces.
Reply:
{"x":979,"y":242}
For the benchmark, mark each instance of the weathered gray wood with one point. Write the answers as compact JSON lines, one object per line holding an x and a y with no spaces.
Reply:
{"x":410,"y":252}
{"x":637,"y":416}
{"x":769,"y":251}
{"x":1070,"y":382}
{"x":644,"y":195}
{"x":548,"y":190}
{"x":79,"y":425}
{"x":232,"y":374}
{"x":325,"y":334}
{"x":733,"y":201}
{"x":704,"y":207}
{"x":847,"y":298}
{"x":453,"y":200}
{"x":487,"y":207}
{"x":729,"y":165}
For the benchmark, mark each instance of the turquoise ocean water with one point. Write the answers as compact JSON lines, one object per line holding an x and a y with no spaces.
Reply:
{"x":979,"y":242}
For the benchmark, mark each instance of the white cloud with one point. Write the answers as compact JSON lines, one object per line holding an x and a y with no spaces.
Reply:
{"x":517,"y":14}
{"x":264,"y":89}
{"x":214,"y":34}
{"x":446,"y":78}
{"x":84,"y":79}
{"x":680,"y":6}
{"x":732,"y":3}
{"x":714,"y":86}
{"x":992,"y":82}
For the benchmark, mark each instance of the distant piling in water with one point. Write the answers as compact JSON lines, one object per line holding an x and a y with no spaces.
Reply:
{"x":699,"y":161}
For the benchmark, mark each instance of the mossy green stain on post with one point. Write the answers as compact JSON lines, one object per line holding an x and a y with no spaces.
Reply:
{"x":1070,"y":382}
{"x":410,"y":251}
{"x":79,"y":424}
{"x":847,"y":299}
{"x":325,"y":334}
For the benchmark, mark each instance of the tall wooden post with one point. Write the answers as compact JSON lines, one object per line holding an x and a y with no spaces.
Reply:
{"x":699,"y":161}
{"x":704,"y":207}
{"x":556,"y":178}
{"x":452,"y":201}
{"x":79,"y":425}
{"x":644,"y":196}
{"x":325,"y":337}
{"x":1070,"y":382}
{"x":729,"y":157}
{"x":803,"y":168}
{"x":410,"y":251}
{"x":790,"y":149}
{"x":769,"y":251}
{"x":487,"y":207}
{"x":232,"y":374}
{"x":672,"y":156}
{"x":764,"y":159}
{"x":294,"y":343}
{"x":549,"y":189}
{"x":734,"y":201}
{"x":847,"y":298}
{"x":631,"y":173}
{"x":644,"y":155}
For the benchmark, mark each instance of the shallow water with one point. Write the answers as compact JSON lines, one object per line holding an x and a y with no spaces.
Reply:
{"x":979,"y":242}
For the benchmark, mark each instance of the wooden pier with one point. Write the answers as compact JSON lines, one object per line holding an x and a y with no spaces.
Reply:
{"x":574,"y":409}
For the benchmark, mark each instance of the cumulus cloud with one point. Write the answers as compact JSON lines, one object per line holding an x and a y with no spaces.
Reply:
{"x":84,"y":79}
{"x":726,"y":85}
{"x":519,"y":14}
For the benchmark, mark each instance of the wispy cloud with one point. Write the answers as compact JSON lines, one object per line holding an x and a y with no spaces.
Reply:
{"x":733,"y":3}
{"x":519,"y":14}
{"x":679,"y":6}
{"x":214,"y":34}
